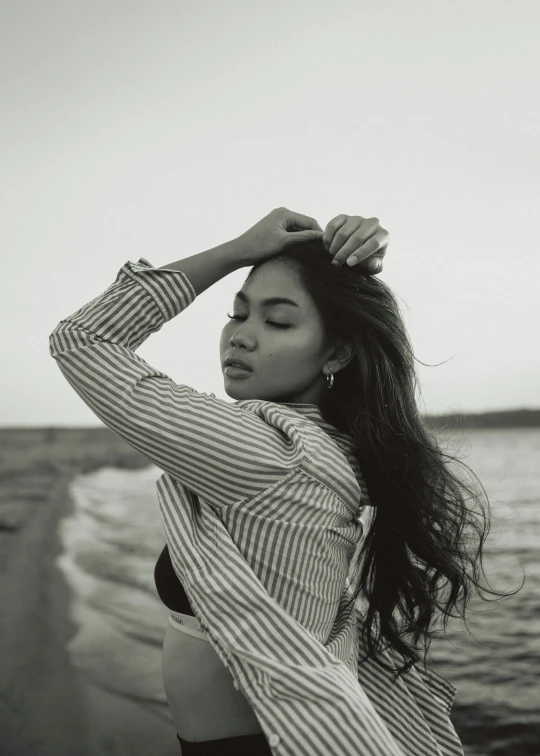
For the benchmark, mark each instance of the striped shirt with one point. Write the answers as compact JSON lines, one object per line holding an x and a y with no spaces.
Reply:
{"x":264,"y":511}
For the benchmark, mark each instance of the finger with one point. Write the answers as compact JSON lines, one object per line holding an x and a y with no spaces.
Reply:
{"x":331,"y":229}
{"x":293,"y":237}
{"x":297,"y":221}
{"x":355,"y":252}
{"x":373,"y":263}
{"x":374,"y":247}
{"x":353,"y":240}
{"x":353,"y":226}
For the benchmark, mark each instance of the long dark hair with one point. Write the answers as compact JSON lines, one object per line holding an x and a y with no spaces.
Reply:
{"x":419,"y":561}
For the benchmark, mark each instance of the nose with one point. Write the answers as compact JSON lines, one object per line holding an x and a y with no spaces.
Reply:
{"x":238,"y":342}
{"x":241,"y":339}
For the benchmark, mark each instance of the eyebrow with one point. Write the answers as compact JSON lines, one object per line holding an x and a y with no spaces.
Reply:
{"x":269,"y":301}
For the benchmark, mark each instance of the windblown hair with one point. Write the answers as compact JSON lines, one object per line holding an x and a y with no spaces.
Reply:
{"x":419,"y":560}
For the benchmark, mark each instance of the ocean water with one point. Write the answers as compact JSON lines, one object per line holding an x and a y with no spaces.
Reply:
{"x":114,"y":536}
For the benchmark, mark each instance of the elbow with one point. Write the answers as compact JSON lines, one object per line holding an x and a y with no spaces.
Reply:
{"x":53,"y":344}
{"x":58,"y":340}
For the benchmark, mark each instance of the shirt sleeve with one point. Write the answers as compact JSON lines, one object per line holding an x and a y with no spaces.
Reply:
{"x":219,"y":450}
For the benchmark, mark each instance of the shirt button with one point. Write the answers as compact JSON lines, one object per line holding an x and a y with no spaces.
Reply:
{"x":274,"y":739}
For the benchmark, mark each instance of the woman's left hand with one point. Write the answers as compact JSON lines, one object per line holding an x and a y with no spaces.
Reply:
{"x":356,"y":241}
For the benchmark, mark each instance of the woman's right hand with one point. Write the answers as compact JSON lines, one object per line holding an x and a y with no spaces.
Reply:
{"x":274,"y":233}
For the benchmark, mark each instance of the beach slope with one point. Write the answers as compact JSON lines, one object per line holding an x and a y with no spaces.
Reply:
{"x":46,"y":707}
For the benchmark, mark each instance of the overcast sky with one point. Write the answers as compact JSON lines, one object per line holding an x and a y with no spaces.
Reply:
{"x":161,"y":129}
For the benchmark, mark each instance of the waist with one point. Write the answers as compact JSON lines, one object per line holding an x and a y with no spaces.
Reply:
{"x":203,"y":699}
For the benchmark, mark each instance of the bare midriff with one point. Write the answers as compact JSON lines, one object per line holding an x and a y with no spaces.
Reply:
{"x":203,"y":701}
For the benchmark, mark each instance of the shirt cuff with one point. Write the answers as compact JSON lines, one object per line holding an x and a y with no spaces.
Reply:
{"x":171,"y":290}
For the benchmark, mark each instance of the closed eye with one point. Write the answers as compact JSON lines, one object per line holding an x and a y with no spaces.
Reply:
{"x":270,"y":322}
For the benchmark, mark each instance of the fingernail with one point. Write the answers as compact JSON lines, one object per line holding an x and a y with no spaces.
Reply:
{"x":352,"y":260}
{"x":374,"y":265}
{"x":335,"y":262}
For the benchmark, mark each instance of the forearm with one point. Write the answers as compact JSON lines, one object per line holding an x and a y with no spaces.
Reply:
{"x":135,"y":305}
{"x":206,"y":268}
{"x":142,"y":299}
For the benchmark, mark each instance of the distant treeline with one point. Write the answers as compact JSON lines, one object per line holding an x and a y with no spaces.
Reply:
{"x":522,"y":418}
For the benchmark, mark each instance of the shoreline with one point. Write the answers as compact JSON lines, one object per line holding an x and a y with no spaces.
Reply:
{"x":47,"y":706}
{"x":41,"y":695}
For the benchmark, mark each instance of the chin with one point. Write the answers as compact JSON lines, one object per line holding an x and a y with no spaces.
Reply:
{"x":237,"y":392}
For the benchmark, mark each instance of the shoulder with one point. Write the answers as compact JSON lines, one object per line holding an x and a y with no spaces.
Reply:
{"x":275,"y":415}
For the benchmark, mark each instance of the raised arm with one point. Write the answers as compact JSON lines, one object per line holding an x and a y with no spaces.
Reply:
{"x":219,"y":450}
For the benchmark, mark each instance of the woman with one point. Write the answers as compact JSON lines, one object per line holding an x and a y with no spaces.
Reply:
{"x":311,"y":524}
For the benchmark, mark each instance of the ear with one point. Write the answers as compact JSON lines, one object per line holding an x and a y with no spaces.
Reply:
{"x":341,"y":355}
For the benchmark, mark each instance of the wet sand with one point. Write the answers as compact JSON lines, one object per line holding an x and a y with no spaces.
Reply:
{"x":47,"y":708}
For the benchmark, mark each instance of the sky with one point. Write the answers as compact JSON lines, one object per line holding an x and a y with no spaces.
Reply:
{"x":159,"y":130}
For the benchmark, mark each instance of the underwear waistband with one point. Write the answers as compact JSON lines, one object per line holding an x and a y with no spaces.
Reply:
{"x":186,"y":623}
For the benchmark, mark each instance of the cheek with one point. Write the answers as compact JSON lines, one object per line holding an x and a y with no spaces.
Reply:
{"x":224,"y":338}
{"x":293,"y":351}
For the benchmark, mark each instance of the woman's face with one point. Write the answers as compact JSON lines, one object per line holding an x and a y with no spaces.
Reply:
{"x":283,"y":343}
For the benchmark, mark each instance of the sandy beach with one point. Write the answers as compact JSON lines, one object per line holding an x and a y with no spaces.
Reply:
{"x":46,"y":706}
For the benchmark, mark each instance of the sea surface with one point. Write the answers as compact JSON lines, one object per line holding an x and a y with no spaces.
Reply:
{"x":114,"y":536}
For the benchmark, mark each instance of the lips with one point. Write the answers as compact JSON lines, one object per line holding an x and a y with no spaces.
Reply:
{"x":237,"y":362}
